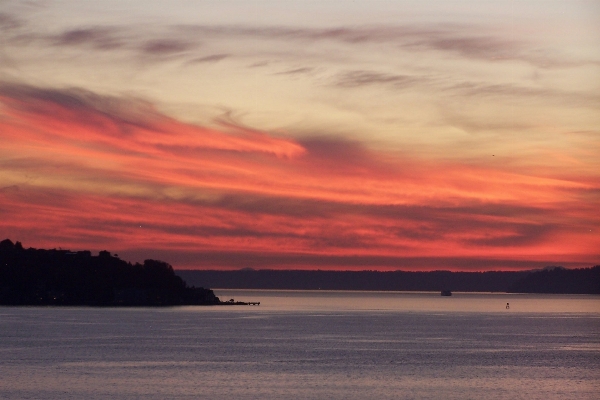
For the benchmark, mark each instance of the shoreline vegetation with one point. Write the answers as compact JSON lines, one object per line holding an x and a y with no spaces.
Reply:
{"x":62,"y":277}
{"x":65,"y":278}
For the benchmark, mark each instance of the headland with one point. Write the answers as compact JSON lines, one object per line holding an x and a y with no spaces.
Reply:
{"x":66,"y":278}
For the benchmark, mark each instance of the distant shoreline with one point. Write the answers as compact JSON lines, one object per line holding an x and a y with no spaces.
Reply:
{"x":553,"y":280}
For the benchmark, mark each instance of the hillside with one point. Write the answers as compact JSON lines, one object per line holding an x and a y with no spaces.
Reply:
{"x":61,"y":277}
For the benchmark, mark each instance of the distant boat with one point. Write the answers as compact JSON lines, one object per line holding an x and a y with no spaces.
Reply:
{"x":446,"y":293}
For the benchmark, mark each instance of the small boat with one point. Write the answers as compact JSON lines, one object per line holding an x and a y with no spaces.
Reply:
{"x":446,"y":293}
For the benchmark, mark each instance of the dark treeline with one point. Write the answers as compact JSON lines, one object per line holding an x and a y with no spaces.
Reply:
{"x":356,"y":280}
{"x":560,"y":280}
{"x":572,"y":281}
{"x":61,"y":277}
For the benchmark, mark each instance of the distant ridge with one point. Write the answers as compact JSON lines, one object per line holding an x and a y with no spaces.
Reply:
{"x":578,"y":281}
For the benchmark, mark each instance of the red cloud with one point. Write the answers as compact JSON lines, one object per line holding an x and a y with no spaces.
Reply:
{"x":85,"y":171}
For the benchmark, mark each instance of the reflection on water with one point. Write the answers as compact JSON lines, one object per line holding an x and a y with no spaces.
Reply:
{"x":308,"y":345}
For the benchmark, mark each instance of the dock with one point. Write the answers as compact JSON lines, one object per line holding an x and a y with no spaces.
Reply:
{"x":232,"y":302}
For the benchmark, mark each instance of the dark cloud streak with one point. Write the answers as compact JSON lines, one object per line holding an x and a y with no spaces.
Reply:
{"x":100,"y":38}
{"x":358,"y":78}
{"x":9,"y":22}
{"x":480,"y":47}
{"x":162,"y":47}
{"x":84,"y":104}
{"x":213,"y":58}
{"x":296,"y":71}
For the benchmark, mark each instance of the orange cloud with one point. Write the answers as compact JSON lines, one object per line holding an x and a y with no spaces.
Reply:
{"x":80,"y":170}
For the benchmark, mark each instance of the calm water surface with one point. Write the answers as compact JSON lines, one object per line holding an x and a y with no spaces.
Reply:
{"x":308,"y":345}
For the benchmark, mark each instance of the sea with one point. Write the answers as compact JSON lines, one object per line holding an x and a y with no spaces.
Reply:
{"x":309,"y":345}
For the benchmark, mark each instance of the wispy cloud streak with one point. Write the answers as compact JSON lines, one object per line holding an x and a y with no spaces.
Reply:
{"x":470,"y":41}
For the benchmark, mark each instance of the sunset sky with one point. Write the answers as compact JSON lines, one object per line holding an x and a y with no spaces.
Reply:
{"x":380,"y":135}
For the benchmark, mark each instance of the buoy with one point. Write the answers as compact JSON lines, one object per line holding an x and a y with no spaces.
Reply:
{"x":507,"y":306}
